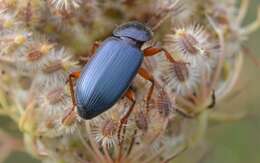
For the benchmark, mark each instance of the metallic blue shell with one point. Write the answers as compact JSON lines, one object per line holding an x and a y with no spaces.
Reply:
{"x":107,"y":76}
{"x":134,"y":30}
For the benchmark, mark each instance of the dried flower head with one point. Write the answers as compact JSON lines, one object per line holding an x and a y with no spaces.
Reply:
{"x":105,"y":131}
{"x":33,"y":56}
{"x":180,"y":77}
{"x":55,"y":68}
{"x":54,"y":101}
{"x":42,"y":42}
{"x":66,"y":4}
{"x":13,"y":40}
{"x":192,"y":43}
{"x":7,"y":20}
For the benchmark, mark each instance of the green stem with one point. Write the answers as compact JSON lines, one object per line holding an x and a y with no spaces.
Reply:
{"x":201,"y":129}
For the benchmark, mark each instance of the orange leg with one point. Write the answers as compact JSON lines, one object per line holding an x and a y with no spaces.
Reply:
{"x":94,"y":48}
{"x":146,"y":75}
{"x":150,"y":51}
{"x":131,"y":96}
{"x":69,"y":116}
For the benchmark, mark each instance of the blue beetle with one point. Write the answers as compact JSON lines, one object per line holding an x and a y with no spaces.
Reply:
{"x":108,"y":75}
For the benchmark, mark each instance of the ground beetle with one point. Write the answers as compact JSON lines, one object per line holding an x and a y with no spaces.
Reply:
{"x":108,"y":75}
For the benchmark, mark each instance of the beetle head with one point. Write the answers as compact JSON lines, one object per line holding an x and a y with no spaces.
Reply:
{"x":134,"y":30}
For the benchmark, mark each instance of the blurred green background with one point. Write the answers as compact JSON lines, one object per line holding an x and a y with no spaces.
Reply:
{"x":232,"y":142}
{"x":238,"y":142}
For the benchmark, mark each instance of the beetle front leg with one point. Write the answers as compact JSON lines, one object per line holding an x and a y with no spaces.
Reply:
{"x":147,"y":76}
{"x":70,"y":116}
{"x":131,"y":96}
{"x":93,"y":50}
{"x":150,"y":51}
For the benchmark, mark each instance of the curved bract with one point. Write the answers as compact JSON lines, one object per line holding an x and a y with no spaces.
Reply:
{"x":107,"y":76}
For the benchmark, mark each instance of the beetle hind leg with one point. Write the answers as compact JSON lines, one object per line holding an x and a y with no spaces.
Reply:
{"x":147,"y":76}
{"x":71,"y":114}
{"x":131,"y":96}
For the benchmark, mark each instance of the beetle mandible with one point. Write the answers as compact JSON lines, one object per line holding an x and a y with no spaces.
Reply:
{"x":108,"y":75}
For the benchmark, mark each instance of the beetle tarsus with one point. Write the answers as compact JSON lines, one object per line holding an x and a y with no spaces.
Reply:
{"x":123,"y":122}
{"x":130,"y":95}
{"x":70,"y":117}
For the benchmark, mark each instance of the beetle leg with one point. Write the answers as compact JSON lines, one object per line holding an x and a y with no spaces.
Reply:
{"x":146,"y":75}
{"x":94,"y":48}
{"x":131,"y":96}
{"x":150,"y":51}
{"x":68,"y":117}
